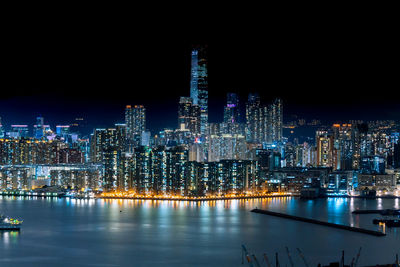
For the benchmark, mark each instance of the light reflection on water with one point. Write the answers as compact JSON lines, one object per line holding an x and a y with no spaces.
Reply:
{"x":107,"y":231}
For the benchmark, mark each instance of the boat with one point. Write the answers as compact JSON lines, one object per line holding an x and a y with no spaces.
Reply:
{"x":10,"y":224}
{"x":388,"y":222}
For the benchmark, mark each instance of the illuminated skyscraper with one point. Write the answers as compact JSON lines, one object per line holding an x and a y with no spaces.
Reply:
{"x":188,"y":115}
{"x":327,"y":155}
{"x":176,"y":159}
{"x":199,"y":84}
{"x":276,"y":114}
{"x":231,"y":110}
{"x":135,"y":120}
{"x":264,"y":122}
{"x":143,"y":172}
{"x":39,"y":127}
{"x":255,"y":118}
{"x":344,"y":143}
{"x":159,"y":170}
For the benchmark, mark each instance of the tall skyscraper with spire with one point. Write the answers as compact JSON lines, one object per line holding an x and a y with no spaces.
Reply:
{"x":199,"y":84}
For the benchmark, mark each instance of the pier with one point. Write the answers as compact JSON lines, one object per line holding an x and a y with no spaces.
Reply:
{"x":382,"y":212}
{"x":308,"y":220}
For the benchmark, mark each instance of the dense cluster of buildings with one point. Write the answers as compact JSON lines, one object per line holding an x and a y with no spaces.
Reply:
{"x":246,"y":153}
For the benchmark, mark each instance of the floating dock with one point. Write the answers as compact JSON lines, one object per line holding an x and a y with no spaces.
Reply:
{"x":334,"y":225}
{"x":383,"y":212}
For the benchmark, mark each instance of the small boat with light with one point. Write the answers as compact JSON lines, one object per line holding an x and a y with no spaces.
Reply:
{"x":10,"y":224}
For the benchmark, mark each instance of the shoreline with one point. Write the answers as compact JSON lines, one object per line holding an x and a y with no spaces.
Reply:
{"x":196,"y":199}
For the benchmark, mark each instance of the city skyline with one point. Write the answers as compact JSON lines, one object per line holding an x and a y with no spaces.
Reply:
{"x":331,"y":71}
{"x":275,"y":141}
{"x":239,"y":156}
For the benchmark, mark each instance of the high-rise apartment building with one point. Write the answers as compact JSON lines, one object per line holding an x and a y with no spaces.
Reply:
{"x":326,"y":153}
{"x":264,"y":122}
{"x":276,"y":121}
{"x":135,"y":121}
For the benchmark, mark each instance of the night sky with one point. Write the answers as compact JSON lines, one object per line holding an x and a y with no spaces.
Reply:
{"x":336,"y":70}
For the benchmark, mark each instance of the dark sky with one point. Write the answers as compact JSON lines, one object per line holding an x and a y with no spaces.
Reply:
{"x":331,"y":69}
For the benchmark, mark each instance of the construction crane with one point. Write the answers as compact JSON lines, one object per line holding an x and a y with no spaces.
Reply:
{"x":276,"y":260}
{"x":246,"y":254}
{"x":302,"y":256}
{"x":358,"y":256}
{"x":266,"y":260}
{"x":256,"y":261}
{"x":290,"y":258}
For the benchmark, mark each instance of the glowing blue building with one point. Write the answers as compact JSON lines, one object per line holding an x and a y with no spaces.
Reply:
{"x":199,"y":84}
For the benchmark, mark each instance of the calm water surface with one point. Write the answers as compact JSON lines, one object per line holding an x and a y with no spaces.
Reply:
{"x":70,"y":232}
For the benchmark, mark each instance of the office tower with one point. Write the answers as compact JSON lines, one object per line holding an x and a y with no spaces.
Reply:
{"x":188,"y":115}
{"x":63,"y":131}
{"x":39,"y":128}
{"x":231,"y":124}
{"x":135,"y":120}
{"x":231,"y":110}
{"x":199,"y":84}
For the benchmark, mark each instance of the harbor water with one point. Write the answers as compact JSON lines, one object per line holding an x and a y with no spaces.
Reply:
{"x":101,"y":232}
